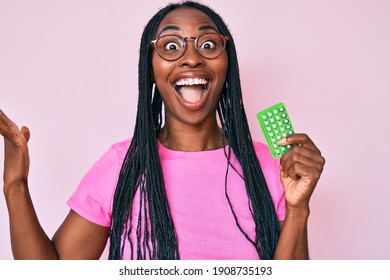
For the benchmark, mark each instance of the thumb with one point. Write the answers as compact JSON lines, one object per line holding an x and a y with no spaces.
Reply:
{"x":26,"y":132}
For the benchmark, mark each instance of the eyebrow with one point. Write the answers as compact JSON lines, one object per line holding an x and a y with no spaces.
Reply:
{"x":169,"y":27}
{"x":206,"y":27}
{"x":176,"y":28}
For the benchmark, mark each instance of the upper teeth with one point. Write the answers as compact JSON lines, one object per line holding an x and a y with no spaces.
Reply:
{"x":191,"y":82}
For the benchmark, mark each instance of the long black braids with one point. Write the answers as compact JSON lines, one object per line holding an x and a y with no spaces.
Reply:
{"x":141,"y":170}
{"x":236,"y":130}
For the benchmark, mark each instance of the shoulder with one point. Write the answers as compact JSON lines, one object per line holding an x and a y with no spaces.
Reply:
{"x":113,"y":155}
{"x":105,"y":171}
{"x":93,"y":197}
{"x":261,"y":147}
{"x":263,"y":153}
{"x":271,"y":171}
{"x":120,"y":148}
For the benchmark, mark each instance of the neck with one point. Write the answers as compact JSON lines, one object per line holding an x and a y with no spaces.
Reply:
{"x":190,"y":138}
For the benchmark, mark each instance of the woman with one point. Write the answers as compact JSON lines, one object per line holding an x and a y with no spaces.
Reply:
{"x":182,"y":187}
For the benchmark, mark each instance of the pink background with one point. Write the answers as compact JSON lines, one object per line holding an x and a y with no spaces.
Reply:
{"x":68,"y":70}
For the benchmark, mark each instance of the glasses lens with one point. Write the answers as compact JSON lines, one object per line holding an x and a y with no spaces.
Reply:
{"x":210,"y":45}
{"x":170,"y":47}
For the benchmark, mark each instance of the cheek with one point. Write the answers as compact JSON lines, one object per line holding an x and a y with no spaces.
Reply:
{"x":161,"y":69}
{"x":155,"y":68}
{"x":221,"y":67}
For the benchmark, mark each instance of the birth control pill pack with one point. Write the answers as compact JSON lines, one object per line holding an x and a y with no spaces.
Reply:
{"x":275,"y":124}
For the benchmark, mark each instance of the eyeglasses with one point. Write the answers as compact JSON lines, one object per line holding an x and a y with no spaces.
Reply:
{"x":172,"y":47}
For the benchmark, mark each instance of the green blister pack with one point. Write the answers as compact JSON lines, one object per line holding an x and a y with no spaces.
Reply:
{"x":275,"y":124}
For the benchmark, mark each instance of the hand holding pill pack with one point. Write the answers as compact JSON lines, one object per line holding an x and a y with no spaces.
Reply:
{"x":275,"y":124}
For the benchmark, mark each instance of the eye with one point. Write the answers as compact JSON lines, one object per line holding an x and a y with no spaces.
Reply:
{"x":208,"y":45}
{"x":171,"y":46}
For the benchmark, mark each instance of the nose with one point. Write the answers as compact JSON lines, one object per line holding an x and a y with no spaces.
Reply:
{"x":191,"y":57}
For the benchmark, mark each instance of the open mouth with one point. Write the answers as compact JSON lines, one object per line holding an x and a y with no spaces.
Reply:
{"x":191,"y":89}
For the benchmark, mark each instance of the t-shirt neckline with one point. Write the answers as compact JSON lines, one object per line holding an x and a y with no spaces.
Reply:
{"x":199,"y":156}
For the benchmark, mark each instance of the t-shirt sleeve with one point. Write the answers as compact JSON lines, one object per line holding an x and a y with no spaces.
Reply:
{"x":93,"y":197}
{"x":271,"y":171}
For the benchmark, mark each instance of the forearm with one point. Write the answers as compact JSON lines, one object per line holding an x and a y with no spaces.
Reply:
{"x":293,"y":243}
{"x":28,"y":239}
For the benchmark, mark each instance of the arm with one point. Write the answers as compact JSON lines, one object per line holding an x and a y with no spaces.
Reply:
{"x":292,"y":243}
{"x":301,"y":168}
{"x":28,"y":239}
{"x":77,"y":238}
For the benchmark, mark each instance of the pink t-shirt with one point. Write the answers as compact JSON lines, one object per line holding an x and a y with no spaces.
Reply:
{"x":195,"y":185}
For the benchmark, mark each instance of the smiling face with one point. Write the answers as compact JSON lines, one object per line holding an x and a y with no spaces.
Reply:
{"x":191,"y":85}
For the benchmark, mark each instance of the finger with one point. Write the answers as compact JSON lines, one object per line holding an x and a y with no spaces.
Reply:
{"x":6,"y":125}
{"x":301,"y":139}
{"x":26,"y":132}
{"x":303,"y":156}
{"x":3,"y":123}
{"x":5,"y":129}
{"x":295,"y":151}
{"x":11,"y":132}
{"x":303,"y":172}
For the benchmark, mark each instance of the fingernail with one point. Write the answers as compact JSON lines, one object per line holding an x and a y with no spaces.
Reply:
{"x":282,"y":141}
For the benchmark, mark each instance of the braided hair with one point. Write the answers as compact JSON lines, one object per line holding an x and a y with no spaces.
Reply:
{"x":141,"y":169}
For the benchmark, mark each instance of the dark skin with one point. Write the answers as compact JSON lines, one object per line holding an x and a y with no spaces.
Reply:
{"x":300,"y":169}
{"x":188,"y":127}
{"x":77,"y":238}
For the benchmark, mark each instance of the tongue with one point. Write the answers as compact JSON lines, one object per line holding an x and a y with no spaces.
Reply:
{"x":191,"y":94}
